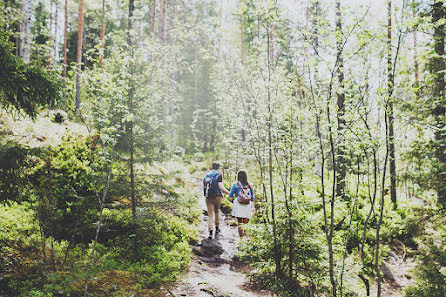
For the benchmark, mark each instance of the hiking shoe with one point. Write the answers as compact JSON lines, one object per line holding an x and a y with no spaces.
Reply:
{"x":217,"y":230}
{"x":210,"y":234}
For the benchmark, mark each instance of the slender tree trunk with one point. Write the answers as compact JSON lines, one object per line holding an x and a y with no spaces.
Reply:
{"x":381,"y":209}
{"x":278,"y":271}
{"x":80,"y":30}
{"x":315,"y":23}
{"x":415,"y":53}
{"x":162,"y":20}
{"x":289,"y":209}
{"x":242,"y":54}
{"x":130,"y":103}
{"x":101,"y":50}
{"x":242,"y":38}
{"x":174,"y":76}
{"x":101,"y":200}
{"x":438,"y":69}
{"x":196,"y":69}
{"x":390,"y":86}
{"x":27,"y":30}
{"x":271,"y":44}
{"x":50,"y":41}
{"x":220,"y":19}
{"x":56,"y":55}
{"x":332,"y":205}
{"x":340,"y":158}
{"x":65,"y":34}
{"x":19,"y":40}
{"x":153,"y":18}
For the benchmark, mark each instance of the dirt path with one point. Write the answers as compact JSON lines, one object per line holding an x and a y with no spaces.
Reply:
{"x":218,"y":274}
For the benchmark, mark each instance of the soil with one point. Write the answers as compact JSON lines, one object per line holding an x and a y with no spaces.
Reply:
{"x":220,"y":273}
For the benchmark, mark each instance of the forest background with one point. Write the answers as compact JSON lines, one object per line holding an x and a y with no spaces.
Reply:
{"x":335,"y":108}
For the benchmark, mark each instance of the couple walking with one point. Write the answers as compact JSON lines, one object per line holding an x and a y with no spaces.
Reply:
{"x":241,"y":191}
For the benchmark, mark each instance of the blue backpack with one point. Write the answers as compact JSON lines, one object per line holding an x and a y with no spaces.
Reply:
{"x":210,"y":185}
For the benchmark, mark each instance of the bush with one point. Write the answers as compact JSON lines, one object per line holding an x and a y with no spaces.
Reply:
{"x":431,"y":271}
{"x":58,"y":116}
{"x":64,"y":189}
{"x":18,"y":246}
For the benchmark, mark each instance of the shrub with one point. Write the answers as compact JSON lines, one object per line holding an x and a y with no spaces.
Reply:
{"x":58,"y":116}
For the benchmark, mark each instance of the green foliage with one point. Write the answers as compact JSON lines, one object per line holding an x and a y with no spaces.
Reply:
{"x":18,"y":242}
{"x":24,"y":87}
{"x":14,"y":160}
{"x":431,"y":273}
{"x":64,"y":189}
{"x":307,"y":251}
{"x":58,"y":116}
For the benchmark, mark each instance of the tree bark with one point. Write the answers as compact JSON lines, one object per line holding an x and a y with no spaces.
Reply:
{"x":438,"y":68}
{"x":381,"y":209}
{"x":19,"y":40}
{"x":340,"y":158}
{"x":64,"y":73}
{"x":242,"y":38}
{"x":80,"y":29}
{"x":174,"y":75}
{"x":27,"y":30}
{"x":220,"y":13}
{"x":50,"y":41}
{"x":101,"y":50}
{"x":277,"y":257}
{"x":242,"y":53}
{"x":162,"y":20}
{"x":390,"y":87}
{"x":153,"y":18}
{"x":415,"y":53}
{"x":130,"y":102}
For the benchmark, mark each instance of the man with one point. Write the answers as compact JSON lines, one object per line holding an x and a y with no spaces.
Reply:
{"x":213,"y":188}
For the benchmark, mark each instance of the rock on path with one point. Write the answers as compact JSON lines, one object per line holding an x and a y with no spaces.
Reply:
{"x":213,"y":270}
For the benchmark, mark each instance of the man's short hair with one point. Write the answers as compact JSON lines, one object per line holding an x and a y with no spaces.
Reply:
{"x":215,"y":165}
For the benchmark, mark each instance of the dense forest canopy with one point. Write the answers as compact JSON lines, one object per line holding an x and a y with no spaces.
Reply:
{"x":110,"y":110}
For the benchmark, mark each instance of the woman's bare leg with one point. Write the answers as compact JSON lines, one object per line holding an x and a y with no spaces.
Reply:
{"x":239,"y":227}
{"x":245,"y":221}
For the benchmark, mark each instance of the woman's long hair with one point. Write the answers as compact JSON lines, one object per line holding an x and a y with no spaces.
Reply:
{"x":242,"y":177}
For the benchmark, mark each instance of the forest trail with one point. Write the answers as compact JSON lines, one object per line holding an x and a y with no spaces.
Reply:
{"x":216,"y":275}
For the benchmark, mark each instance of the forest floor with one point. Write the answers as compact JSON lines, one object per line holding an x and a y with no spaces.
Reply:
{"x":214,"y":269}
{"x":219,"y":274}
{"x":223,"y":275}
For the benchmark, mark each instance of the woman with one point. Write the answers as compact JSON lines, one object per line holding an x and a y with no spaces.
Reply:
{"x":243,"y":195}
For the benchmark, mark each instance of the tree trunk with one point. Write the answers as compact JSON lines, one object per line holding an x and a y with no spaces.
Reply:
{"x":64,"y":73}
{"x":174,"y":75}
{"x":390,"y":83}
{"x":80,"y":29}
{"x":415,"y":54}
{"x":27,"y":30}
{"x":340,"y":158}
{"x":56,"y":55}
{"x":381,"y":209}
{"x":101,"y":50}
{"x":162,"y":20}
{"x":438,"y":68}
{"x":50,"y":41}
{"x":278,"y":271}
{"x":196,"y":69}
{"x":130,"y":103}
{"x":220,"y":13}
{"x":271,"y":43}
{"x":19,"y":40}
{"x":242,"y":53}
{"x":242,"y":38}
{"x":153,"y":18}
